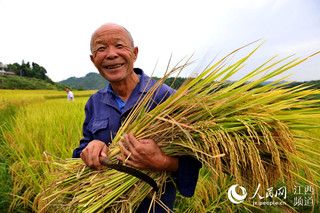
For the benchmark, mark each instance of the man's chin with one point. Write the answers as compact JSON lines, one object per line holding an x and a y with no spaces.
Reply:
{"x":113,"y":78}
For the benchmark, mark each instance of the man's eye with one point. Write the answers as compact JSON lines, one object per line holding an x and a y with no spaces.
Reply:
{"x":119,"y":45}
{"x":100,"y":49}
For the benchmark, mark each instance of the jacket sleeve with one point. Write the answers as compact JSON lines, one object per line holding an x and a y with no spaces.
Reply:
{"x":87,"y":135}
{"x":187,"y":175}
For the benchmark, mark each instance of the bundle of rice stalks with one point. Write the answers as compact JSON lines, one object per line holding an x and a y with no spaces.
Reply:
{"x":236,"y":128}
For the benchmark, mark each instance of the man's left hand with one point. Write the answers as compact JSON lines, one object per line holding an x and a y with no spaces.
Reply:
{"x":146,"y":154}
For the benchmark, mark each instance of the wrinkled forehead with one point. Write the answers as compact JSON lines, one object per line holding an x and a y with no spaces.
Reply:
{"x":111,"y":34}
{"x":105,"y":30}
{"x":114,"y":33}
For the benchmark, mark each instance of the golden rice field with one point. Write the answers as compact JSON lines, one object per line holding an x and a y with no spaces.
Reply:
{"x":37,"y":126}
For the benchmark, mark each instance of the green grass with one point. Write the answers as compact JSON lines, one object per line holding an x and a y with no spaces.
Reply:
{"x":17,"y":82}
{"x":28,"y":118}
{"x":5,"y":177}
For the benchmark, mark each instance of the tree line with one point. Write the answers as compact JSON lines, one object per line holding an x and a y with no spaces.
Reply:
{"x":28,"y":70}
{"x":28,"y":75}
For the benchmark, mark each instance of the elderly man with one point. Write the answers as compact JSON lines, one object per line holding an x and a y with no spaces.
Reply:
{"x":114,"y":54}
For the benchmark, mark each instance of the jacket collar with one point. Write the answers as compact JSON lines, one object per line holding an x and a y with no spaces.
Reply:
{"x":141,"y":87}
{"x":142,"y":84}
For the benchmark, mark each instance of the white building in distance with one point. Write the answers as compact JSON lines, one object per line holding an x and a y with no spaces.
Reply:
{"x":2,"y":71}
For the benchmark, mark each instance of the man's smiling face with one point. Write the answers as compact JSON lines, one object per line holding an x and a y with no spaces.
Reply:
{"x":113,"y":53}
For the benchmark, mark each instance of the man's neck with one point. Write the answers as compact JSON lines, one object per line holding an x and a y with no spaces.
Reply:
{"x":124,"y":88}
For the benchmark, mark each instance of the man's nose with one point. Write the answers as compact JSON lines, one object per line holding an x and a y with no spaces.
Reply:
{"x":111,"y":53}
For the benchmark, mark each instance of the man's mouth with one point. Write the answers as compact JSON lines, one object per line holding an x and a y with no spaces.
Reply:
{"x":114,"y":66}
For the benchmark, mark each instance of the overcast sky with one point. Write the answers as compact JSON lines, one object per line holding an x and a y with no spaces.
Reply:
{"x":56,"y":34}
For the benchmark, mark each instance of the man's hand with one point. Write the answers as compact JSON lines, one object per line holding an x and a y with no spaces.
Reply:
{"x":90,"y":155}
{"x":146,"y":154}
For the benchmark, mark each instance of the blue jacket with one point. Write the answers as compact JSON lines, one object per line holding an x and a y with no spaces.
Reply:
{"x":104,"y":118}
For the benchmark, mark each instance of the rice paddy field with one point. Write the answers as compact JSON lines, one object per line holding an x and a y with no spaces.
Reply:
{"x":33,"y":122}
{"x":258,"y":145}
{"x":37,"y":125}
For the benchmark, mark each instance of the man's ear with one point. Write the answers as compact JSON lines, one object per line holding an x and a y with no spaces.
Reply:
{"x":135,"y":52}
{"x":92,"y":59}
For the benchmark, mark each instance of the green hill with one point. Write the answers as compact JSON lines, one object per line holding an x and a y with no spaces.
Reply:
{"x":92,"y":81}
{"x":18,"y":82}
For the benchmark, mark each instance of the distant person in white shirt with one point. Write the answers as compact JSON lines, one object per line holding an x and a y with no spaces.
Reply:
{"x":70,"y":94}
